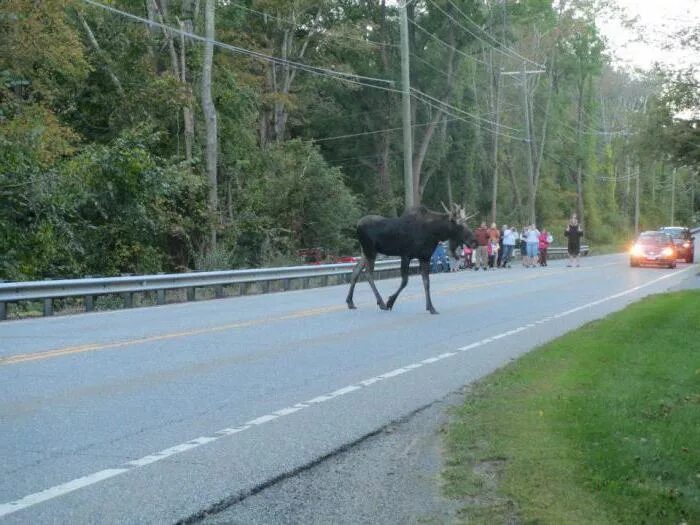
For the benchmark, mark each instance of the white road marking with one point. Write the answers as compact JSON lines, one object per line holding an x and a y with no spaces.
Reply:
{"x":70,"y":486}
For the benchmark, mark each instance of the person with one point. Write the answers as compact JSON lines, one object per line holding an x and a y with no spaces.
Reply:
{"x":545,"y":240}
{"x":438,"y":261}
{"x":573,"y":233}
{"x":499,"y":260}
{"x":494,"y":236}
{"x":509,"y":236}
{"x":523,"y":245}
{"x":493,"y":253}
{"x":533,"y":240}
{"x":467,"y":257}
{"x":481,"y":236}
{"x":455,"y":262}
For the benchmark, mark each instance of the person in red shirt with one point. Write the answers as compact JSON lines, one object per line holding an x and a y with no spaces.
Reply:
{"x":482,"y":237}
{"x":545,"y":240}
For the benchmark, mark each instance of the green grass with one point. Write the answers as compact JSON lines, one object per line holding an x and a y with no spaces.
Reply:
{"x":599,"y":426}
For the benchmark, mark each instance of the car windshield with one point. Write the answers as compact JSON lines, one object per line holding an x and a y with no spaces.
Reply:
{"x":676,"y":233}
{"x":653,"y":238}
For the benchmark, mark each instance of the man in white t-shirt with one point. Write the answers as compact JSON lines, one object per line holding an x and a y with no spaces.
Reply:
{"x":509,"y":236}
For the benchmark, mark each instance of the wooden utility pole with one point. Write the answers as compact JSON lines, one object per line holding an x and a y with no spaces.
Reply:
{"x":210,"y":122}
{"x":528,"y":138}
{"x":673,"y":195}
{"x":636,"y":203}
{"x":406,"y":111}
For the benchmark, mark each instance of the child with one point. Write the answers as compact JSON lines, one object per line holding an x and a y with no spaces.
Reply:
{"x":493,"y":253}
{"x":467,"y":253}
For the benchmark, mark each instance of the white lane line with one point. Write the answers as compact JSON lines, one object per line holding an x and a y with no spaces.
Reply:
{"x":70,"y":486}
{"x":59,"y":490}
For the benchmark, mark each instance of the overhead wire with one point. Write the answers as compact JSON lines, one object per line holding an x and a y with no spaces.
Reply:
{"x":291,"y":23}
{"x":338,"y":75}
{"x":445,"y":44}
{"x":462,"y":111}
{"x":360,"y":134}
{"x":501,"y":47}
{"x":443,"y":109}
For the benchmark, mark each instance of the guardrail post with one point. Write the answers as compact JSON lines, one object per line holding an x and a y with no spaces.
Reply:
{"x":89,"y":302}
{"x":128,"y":298}
{"x":3,"y":311}
{"x":190,"y":294}
{"x":160,"y":297}
{"x":48,"y":306}
{"x":265,"y":287}
{"x":305,"y":283}
{"x":218,"y":291}
{"x":286,"y":284}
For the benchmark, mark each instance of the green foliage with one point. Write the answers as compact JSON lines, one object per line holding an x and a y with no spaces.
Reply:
{"x":95,"y":179}
{"x":298,"y":201}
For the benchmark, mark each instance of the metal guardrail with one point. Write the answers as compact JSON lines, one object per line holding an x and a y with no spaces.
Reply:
{"x":89,"y":288}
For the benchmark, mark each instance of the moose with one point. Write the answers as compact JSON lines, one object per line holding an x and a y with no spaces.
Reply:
{"x":413,"y":235}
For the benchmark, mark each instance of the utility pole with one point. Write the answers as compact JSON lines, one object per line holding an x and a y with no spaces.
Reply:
{"x":636,"y":203}
{"x":528,"y":136}
{"x":406,"y":110}
{"x":673,"y":195}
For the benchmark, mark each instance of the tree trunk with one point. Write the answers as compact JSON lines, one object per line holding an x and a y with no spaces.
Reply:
{"x":210,"y":122}
{"x":422,"y":150}
{"x":101,"y":54}
{"x":187,"y":111}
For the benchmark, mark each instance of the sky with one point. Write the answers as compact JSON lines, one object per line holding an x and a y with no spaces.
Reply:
{"x":657,"y":20}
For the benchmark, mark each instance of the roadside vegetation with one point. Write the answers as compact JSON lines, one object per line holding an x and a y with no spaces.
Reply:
{"x":128,"y":148}
{"x":599,"y":426}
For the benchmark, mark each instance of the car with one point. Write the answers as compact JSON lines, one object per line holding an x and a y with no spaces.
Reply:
{"x":653,"y":248}
{"x":684,"y":241}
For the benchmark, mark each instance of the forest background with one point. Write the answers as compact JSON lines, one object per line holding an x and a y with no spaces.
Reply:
{"x":127,"y":147}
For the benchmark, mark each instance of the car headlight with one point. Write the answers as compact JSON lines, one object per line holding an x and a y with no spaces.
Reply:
{"x":667,"y":252}
{"x":636,"y":250}
{"x":686,"y":245}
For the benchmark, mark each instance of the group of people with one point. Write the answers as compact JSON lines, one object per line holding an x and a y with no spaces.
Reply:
{"x":494,"y":248}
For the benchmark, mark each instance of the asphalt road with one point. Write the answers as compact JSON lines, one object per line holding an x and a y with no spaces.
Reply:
{"x":171,"y":413}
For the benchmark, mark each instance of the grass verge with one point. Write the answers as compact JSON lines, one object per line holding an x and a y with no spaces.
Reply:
{"x":600,"y":426}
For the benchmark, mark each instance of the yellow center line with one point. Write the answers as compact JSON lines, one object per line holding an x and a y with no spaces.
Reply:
{"x":94,"y":347}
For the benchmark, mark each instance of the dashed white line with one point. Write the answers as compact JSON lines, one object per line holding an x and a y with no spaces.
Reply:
{"x":70,"y":486}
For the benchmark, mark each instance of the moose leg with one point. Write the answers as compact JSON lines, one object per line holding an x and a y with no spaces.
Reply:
{"x":405,"y":262}
{"x":425,"y":273}
{"x":370,"y":279}
{"x":353,"y":280}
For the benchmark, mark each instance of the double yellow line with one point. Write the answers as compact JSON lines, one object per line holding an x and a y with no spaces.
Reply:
{"x":94,"y":347}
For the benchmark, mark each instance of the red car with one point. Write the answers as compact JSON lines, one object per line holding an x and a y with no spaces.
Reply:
{"x":684,"y":241}
{"x":655,"y":248}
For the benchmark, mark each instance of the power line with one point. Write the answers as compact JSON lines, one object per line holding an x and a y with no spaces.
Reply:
{"x":456,"y":117}
{"x":291,"y":23}
{"x":445,"y":44}
{"x":352,"y":135}
{"x":453,"y":108}
{"x":345,"y":77}
{"x":498,"y":47}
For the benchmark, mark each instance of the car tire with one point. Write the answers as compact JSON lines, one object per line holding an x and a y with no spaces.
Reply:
{"x":634,"y":264}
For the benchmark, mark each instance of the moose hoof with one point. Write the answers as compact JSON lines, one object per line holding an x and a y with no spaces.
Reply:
{"x":433,"y":311}
{"x":382,"y":306}
{"x":352,"y":306}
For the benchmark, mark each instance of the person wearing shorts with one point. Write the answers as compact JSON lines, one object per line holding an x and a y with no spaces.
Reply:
{"x":533,"y":240}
